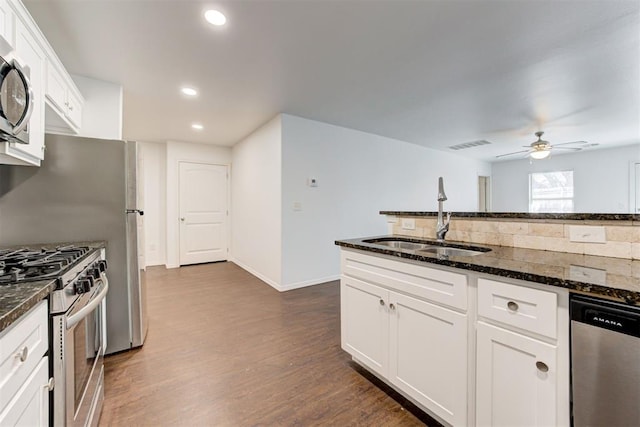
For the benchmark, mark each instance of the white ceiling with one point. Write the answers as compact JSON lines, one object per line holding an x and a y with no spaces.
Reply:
{"x":434,"y":73}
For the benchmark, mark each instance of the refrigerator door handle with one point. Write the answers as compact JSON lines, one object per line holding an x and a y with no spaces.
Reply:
{"x":138,"y":211}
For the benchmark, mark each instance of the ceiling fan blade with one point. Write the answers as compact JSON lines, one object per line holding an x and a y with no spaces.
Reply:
{"x":567,"y":148}
{"x":511,"y":154}
{"x":572,"y":142}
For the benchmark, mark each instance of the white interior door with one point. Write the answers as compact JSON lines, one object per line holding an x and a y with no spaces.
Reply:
{"x":203,"y":212}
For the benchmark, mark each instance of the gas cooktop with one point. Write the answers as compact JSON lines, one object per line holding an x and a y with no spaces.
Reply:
{"x":29,"y":264}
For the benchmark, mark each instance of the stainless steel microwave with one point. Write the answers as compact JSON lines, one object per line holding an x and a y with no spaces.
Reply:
{"x":16,"y":100}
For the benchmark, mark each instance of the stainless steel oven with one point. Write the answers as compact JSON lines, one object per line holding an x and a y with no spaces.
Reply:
{"x":78,"y":351}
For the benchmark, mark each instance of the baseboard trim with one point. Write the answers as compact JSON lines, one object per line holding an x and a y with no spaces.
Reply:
{"x":255,"y":273}
{"x":283,"y":288}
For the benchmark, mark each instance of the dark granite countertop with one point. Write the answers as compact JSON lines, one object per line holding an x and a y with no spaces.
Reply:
{"x":17,"y":299}
{"x":526,"y":215}
{"x":612,"y":278}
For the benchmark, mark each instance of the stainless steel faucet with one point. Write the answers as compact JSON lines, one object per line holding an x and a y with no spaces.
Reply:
{"x":442,"y":226}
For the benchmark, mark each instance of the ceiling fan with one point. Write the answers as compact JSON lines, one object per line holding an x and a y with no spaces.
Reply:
{"x":541,"y":149}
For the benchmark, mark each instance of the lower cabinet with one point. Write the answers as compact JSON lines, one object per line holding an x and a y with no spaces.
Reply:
{"x":516,"y":379}
{"x":419,"y":347}
{"x":30,"y":406}
{"x":428,"y":359}
{"x":424,"y":329}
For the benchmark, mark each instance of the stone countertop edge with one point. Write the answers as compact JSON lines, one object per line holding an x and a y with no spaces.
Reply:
{"x":526,"y":215}
{"x":474,"y":263}
{"x":98,"y":244}
{"x":17,"y":299}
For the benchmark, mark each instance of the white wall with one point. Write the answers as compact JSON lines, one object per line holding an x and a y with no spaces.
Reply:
{"x":189,"y":152}
{"x":358,"y":175}
{"x":102,"y":110}
{"x":600,"y":178}
{"x":256,"y":201}
{"x":154,"y":185}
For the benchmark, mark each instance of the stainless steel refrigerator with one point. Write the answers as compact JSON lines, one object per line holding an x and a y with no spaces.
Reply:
{"x":85,"y":190}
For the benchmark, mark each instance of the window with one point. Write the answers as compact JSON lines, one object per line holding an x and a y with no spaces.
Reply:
{"x":551,"y":192}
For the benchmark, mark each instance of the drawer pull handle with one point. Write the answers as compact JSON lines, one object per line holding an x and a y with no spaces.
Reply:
{"x":513,"y":306}
{"x":23,"y":354}
{"x":542,"y":367}
{"x":381,"y":302}
{"x":392,"y":307}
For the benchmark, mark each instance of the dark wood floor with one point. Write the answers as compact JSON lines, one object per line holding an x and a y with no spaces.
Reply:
{"x":225,"y":349}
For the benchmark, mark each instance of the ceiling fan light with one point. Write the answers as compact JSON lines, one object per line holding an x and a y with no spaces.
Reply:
{"x":540,"y":154}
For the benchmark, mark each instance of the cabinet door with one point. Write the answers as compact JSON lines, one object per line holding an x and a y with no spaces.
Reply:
{"x":6,"y":22}
{"x":30,"y":405}
{"x":365,"y":323}
{"x":428,"y":345}
{"x":31,"y":54}
{"x":516,"y":379}
{"x":56,"y":90}
{"x":74,"y":109}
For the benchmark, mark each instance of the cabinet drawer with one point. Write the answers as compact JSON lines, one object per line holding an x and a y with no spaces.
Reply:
{"x":530,"y":309}
{"x":438,"y":286}
{"x":21,"y":349}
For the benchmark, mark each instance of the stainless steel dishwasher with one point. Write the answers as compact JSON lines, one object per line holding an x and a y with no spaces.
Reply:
{"x":605,"y":363}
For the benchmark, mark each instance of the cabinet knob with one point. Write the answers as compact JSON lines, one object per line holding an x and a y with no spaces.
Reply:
{"x":182,"y":219}
{"x":381,"y":302}
{"x":71,"y":107}
{"x":542,"y":367}
{"x":392,"y":307}
{"x":23,"y":354}
{"x":51,"y":384}
{"x":513,"y":306}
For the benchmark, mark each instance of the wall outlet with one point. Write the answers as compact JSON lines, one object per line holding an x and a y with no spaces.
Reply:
{"x":392,"y":219}
{"x":297,"y":206}
{"x":408,"y":224}
{"x":587,"y":274}
{"x":587,"y":234}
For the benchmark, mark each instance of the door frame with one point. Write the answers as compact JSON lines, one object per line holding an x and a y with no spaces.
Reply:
{"x":228,"y":189}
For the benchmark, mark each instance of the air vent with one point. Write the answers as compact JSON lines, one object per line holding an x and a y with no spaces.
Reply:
{"x":469,"y":145}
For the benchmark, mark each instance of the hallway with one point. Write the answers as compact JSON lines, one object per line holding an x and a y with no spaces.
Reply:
{"x":225,"y":349}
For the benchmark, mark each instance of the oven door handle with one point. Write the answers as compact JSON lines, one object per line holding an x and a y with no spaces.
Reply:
{"x":91,"y":305}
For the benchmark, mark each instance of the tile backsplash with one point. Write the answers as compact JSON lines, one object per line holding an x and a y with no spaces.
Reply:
{"x":622,"y":238}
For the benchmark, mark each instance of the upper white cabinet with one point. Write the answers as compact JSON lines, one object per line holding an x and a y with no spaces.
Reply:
{"x":51,"y":85}
{"x":63,"y":102}
{"x":6,"y":22}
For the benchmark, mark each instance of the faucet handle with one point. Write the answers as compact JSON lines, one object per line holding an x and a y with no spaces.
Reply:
{"x":448,"y":217}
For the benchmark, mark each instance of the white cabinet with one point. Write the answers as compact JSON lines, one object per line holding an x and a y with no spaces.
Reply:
{"x":64,"y":103}
{"x":24,"y":370}
{"x":516,"y":379}
{"x":418,"y":346}
{"x":428,"y":358}
{"x":30,"y":405}
{"x":522,"y":360}
{"x":6,"y":22}
{"x":365,"y":323}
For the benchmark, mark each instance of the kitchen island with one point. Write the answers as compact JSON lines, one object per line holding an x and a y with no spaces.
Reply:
{"x":479,"y":339}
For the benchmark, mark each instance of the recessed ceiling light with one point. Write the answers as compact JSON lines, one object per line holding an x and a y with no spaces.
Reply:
{"x":215,"y":17}
{"x":197,"y":126}
{"x":189,"y":91}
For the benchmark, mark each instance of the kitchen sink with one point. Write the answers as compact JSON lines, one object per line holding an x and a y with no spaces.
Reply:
{"x":436,"y":248}
{"x":449,"y":251}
